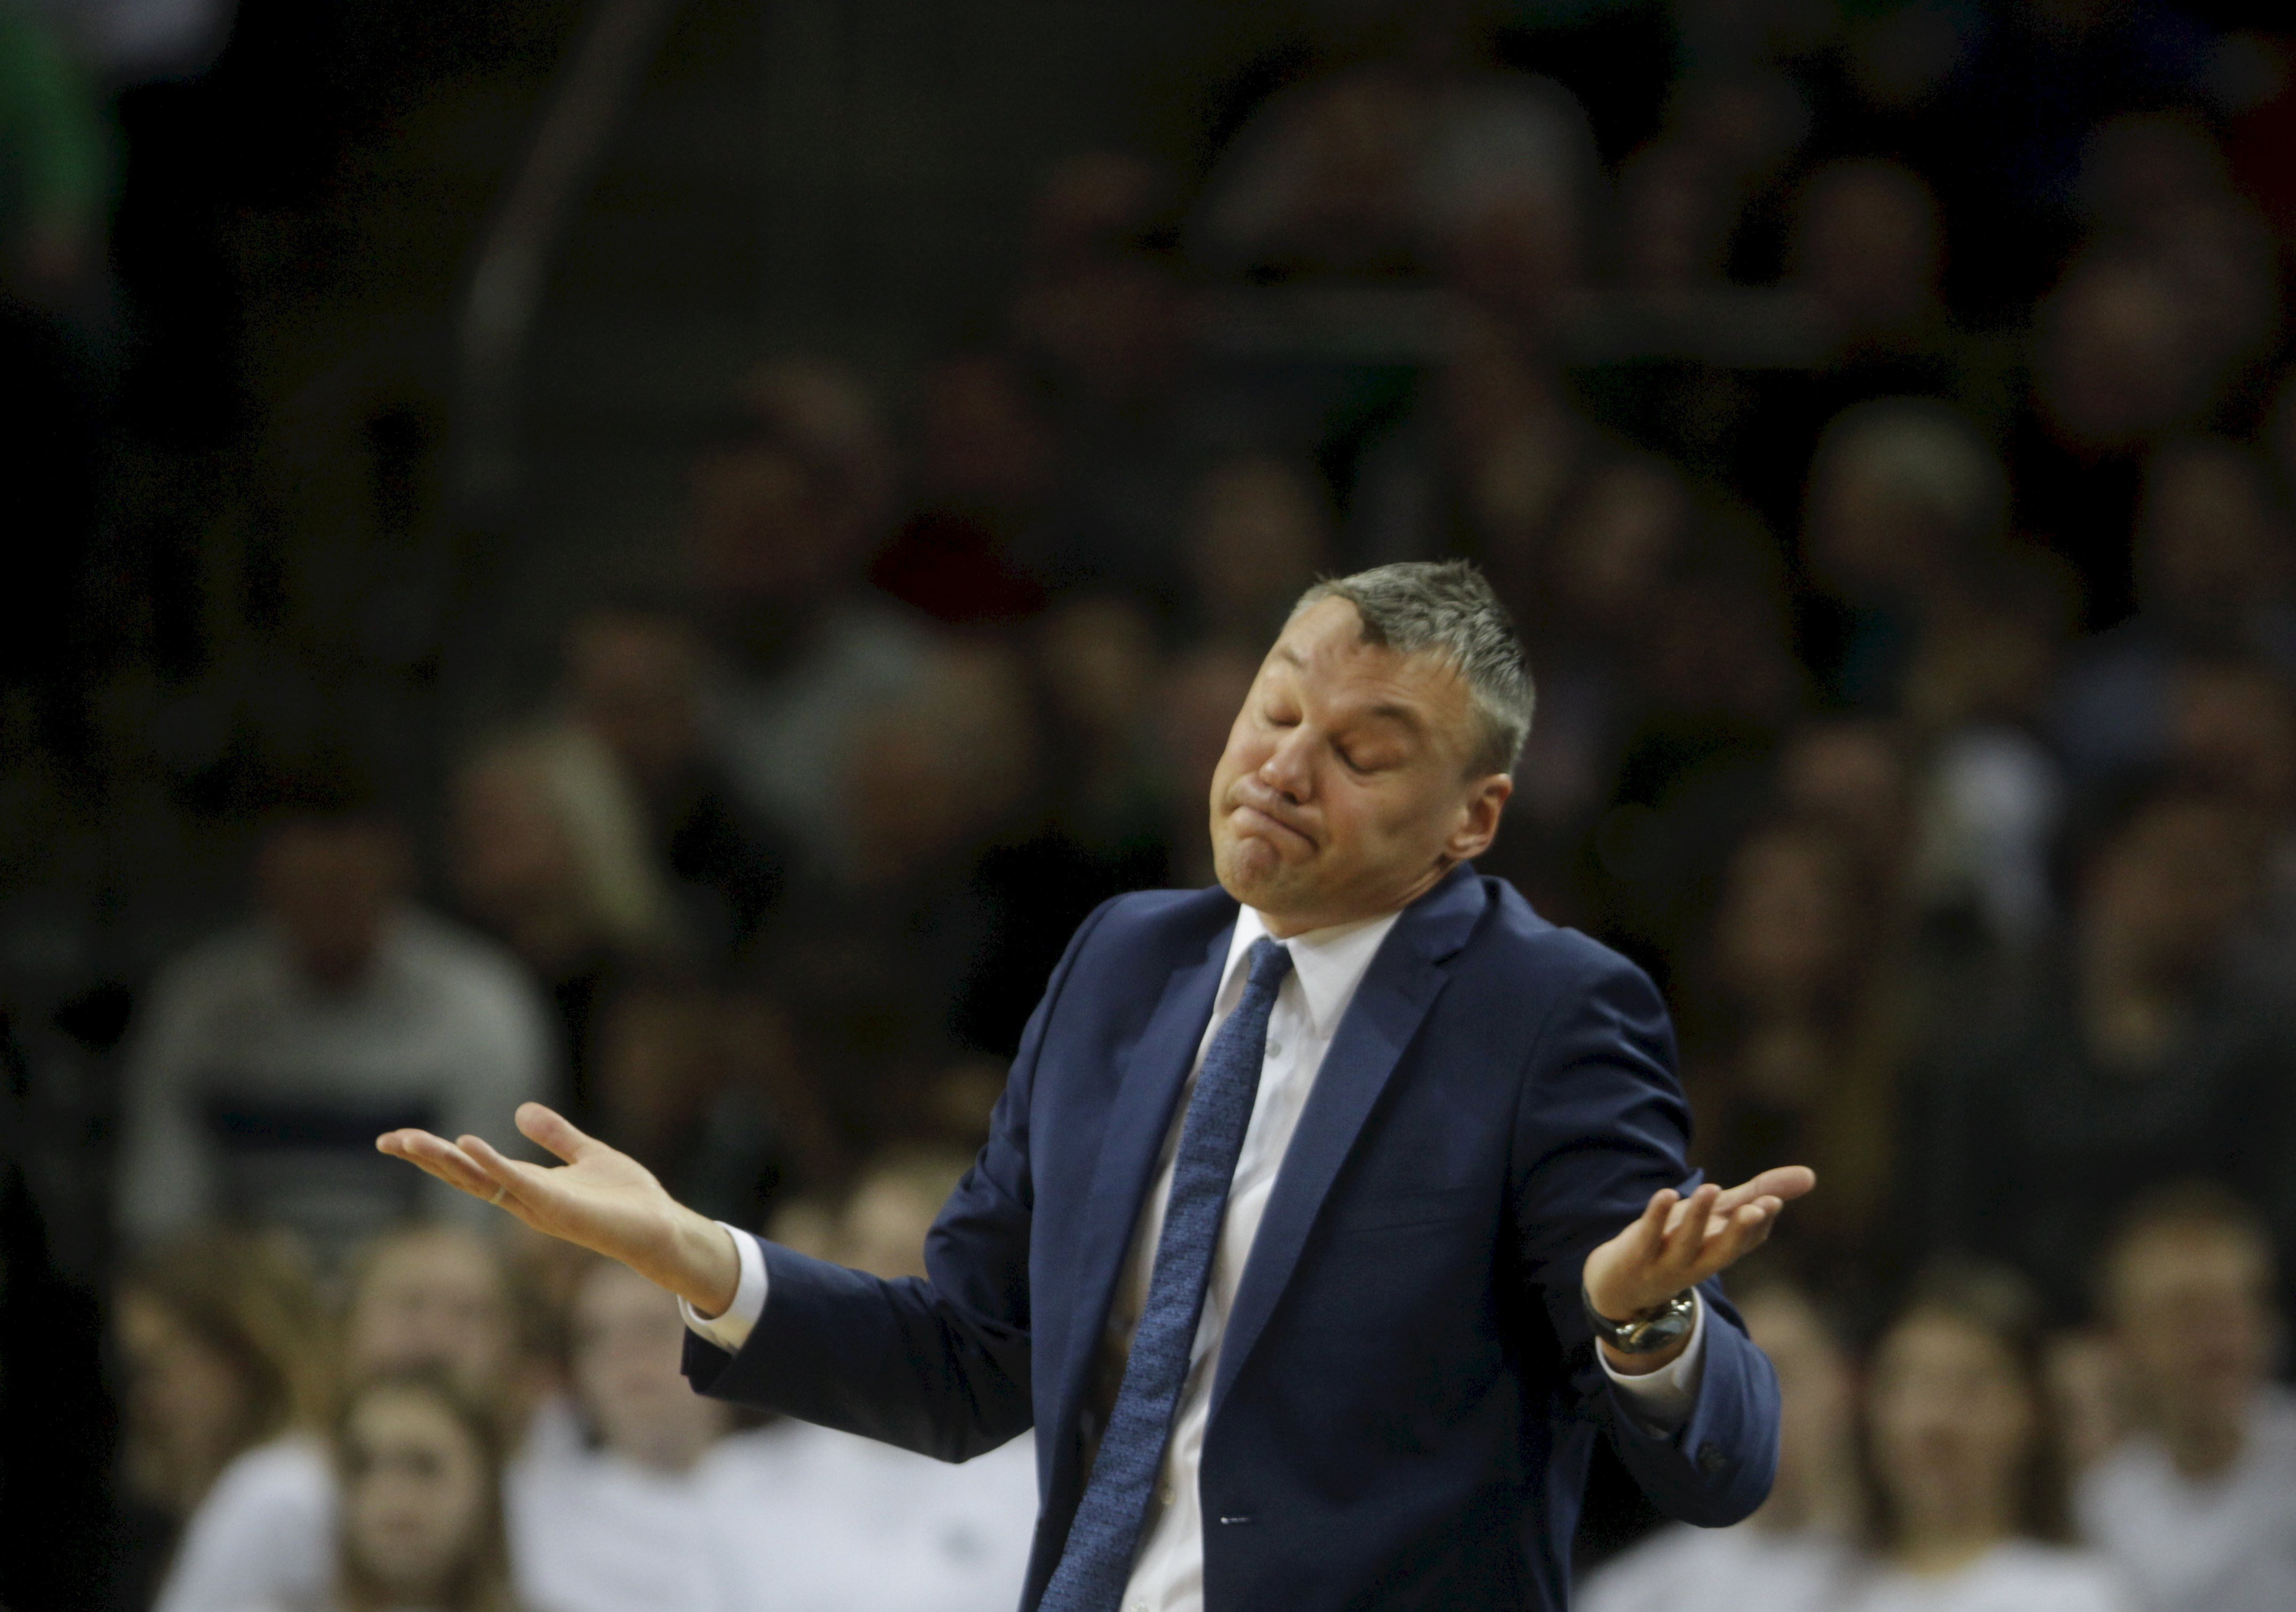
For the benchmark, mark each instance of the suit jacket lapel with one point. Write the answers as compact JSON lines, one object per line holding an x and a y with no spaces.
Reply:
{"x":1138,"y":1121}
{"x":1397,"y":990}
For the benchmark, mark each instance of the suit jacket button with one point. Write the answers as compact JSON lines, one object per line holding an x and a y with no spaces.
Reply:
{"x":1711,"y":1458}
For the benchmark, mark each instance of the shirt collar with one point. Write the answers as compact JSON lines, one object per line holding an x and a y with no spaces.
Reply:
{"x":1330,"y":963}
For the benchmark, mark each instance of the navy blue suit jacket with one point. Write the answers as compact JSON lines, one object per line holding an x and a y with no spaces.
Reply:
{"x":1406,"y":1394}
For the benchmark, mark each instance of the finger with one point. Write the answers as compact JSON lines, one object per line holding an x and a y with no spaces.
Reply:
{"x":1785,"y":1183}
{"x":519,"y":1181}
{"x":436,"y":1155}
{"x":553,"y":1132}
{"x":1692,"y":1211}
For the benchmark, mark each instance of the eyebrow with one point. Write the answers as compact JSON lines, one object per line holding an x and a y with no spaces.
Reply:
{"x":1403,"y":713}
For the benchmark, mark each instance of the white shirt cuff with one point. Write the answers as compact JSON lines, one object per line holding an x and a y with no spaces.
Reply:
{"x":1662,"y":1400}
{"x":730,"y":1331}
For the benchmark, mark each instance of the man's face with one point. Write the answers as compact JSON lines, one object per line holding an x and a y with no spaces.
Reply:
{"x":2192,"y":1319}
{"x":1344,"y":790}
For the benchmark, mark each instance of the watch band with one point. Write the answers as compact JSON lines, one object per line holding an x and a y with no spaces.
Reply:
{"x":1651,"y":1332}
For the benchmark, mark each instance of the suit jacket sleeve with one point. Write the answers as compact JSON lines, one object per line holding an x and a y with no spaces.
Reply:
{"x":941,"y":1365}
{"x":1602,"y":1126}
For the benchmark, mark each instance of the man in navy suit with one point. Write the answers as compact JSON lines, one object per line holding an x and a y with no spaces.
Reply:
{"x":1328,"y":1217}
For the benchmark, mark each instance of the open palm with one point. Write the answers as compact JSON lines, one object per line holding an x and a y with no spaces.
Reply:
{"x":603,"y":1199}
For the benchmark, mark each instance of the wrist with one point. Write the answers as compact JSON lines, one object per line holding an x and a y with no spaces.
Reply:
{"x":704,"y":1268}
{"x":1648,"y":1336}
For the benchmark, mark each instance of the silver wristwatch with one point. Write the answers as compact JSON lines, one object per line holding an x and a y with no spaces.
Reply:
{"x":1652,"y":1331}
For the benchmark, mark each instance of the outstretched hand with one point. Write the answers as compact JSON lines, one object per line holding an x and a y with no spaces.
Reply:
{"x":599,"y":1198}
{"x":1678,"y":1242}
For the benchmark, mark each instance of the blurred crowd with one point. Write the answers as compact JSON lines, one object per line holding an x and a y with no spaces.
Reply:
{"x":1879,"y":418}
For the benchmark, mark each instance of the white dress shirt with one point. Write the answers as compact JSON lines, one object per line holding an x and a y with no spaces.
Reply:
{"x":1327,"y":965}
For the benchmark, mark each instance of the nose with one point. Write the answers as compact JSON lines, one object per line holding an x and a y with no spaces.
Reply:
{"x":1289,"y":769}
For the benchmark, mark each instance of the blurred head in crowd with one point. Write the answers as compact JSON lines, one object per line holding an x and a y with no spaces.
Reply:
{"x":1869,"y":246}
{"x":2212,"y":537}
{"x":514,"y":863}
{"x":1852,"y":777}
{"x":434,"y":1298}
{"x":1096,"y":205}
{"x":1816,"y":1485}
{"x":220,"y":1344}
{"x":1099,"y":664}
{"x":778,"y":536}
{"x":1789,"y":933}
{"x":2233,"y":734}
{"x":1612,"y":551}
{"x":1515,"y":442}
{"x":1375,"y":749}
{"x":1960,"y":1449}
{"x":2187,"y":1285}
{"x":984,"y":447}
{"x":1113,"y":332}
{"x":331,"y":880}
{"x":1258,"y":535}
{"x":2118,"y":362}
{"x":1674,"y":222}
{"x":1903,"y":493}
{"x":2162,"y":889}
{"x":627,"y":1341}
{"x":825,"y":413}
{"x":421,"y":1468}
{"x":939,"y":773}
{"x":660,"y":1057}
{"x":634,"y":679}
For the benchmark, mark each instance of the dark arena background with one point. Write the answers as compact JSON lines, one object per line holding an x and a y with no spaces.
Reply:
{"x":660,"y":555}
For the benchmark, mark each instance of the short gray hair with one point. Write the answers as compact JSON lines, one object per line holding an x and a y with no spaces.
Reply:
{"x":1446,"y":609}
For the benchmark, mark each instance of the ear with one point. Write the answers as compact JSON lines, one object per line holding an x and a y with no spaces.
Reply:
{"x":1478,"y":823}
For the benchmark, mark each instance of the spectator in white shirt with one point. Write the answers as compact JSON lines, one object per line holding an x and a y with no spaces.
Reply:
{"x":216,"y":1336}
{"x":627,"y":1523}
{"x":2199,"y":1504}
{"x":1790,"y":1555}
{"x":427,"y":1298}
{"x":270,"y":1053}
{"x":1967,"y":1496}
{"x":421,"y":1468}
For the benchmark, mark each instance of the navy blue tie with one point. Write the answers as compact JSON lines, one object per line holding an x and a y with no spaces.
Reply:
{"x":1097,"y":1561}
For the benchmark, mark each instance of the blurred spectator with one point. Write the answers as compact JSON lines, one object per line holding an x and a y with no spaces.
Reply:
{"x":1796,"y":1057}
{"x":577,"y":908}
{"x":271,"y":1056}
{"x":1373,"y":169}
{"x":430,"y":1301}
{"x":2121,"y":1060}
{"x":782,"y":527}
{"x":704,"y":1088}
{"x":632,"y":761}
{"x":1966,"y":1500}
{"x":1481,"y":466}
{"x":822,"y":1521}
{"x":883,"y":964}
{"x":1258,"y":535}
{"x":2215,"y":573}
{"x":1868,"y":247}
{"x":2199,"y":1506}
{"x":630,"y":1523}
{"x":421,"y":1474}
{"x":1790,"y":1555}
{"x":222,"y":1353}
{"x":1906,"y":504}
{"x":986,"y":475}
